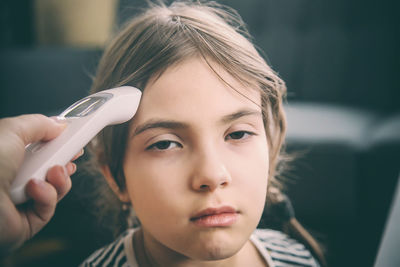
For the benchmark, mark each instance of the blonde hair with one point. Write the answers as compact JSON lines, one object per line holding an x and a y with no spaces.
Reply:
{"x":163,"y":36}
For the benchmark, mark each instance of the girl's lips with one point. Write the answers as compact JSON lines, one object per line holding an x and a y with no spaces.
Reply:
{"x":215,"y":217}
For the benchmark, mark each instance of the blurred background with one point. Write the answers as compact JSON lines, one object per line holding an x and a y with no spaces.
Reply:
{"x":340,"y":60}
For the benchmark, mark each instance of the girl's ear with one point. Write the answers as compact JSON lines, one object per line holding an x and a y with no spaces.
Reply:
{"x":122,"y":195}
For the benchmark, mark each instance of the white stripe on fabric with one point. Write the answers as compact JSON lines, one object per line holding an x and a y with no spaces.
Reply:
{"x":112,"y":255}
{"x":119,"y":258}
{"x":104,"y":254}
{"x":292,"y":259}
{"x":283,"y":264}
{"x":289,"y":250}
{"x":94,"y":255}
{"x":284,"y":250}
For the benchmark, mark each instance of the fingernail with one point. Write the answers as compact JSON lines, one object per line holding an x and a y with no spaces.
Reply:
{"x":61,"y":121}
{"x":39,"y":183}
{"x":65,"y":171}
{"x":71,"y":168}
{"x":58,"y":119}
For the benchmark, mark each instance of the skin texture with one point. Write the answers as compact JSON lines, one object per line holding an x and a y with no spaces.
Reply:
{"x":18,"y":224}
{"x":209,"y":151}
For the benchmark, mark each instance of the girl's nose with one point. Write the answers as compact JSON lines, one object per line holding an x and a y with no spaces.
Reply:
{"x":209,"y":173}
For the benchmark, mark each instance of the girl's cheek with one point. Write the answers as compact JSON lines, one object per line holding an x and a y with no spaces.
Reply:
{"x":155,"y":164}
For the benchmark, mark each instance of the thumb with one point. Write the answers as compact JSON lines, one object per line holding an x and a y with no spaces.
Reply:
{"x":35,"y":127}
{"x":16,"y":133}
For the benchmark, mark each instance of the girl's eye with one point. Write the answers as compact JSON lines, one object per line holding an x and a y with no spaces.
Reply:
{"x":164,"y":145}
{"x":239,"y":135}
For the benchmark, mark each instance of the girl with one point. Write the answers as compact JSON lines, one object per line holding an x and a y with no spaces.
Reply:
{"x":196,"y":160}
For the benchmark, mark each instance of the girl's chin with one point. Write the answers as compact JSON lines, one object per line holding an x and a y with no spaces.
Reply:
{"x":214,"y":252}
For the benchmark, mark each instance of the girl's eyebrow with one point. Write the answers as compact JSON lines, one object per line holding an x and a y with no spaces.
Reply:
{"x":159,"y":123}
{"x":241,"y":113}
{"x":171,"y":124}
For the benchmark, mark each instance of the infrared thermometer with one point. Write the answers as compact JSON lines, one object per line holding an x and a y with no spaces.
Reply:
{"x":84,"y":120}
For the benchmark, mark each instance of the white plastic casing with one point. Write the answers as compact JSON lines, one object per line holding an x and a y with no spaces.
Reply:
{"x":84,"y":119}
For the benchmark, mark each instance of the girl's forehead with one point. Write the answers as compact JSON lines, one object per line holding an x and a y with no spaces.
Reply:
{"x":197,"y":86}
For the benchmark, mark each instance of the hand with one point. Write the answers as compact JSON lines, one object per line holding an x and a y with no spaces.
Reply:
{"x":20,"y":223}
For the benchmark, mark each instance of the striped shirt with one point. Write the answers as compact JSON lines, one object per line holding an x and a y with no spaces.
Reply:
{"x":277,"y":249}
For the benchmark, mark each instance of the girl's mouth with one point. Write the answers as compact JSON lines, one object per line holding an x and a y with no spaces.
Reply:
{"x":215,"y":217}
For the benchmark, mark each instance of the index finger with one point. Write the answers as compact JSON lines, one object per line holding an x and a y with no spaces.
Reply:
{"x":35,"y":127}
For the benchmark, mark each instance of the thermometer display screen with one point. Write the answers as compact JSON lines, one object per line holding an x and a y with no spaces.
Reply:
{"x":86,"y":106}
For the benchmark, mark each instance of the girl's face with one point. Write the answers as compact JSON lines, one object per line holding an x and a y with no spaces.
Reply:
{"x":196,"y":165}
